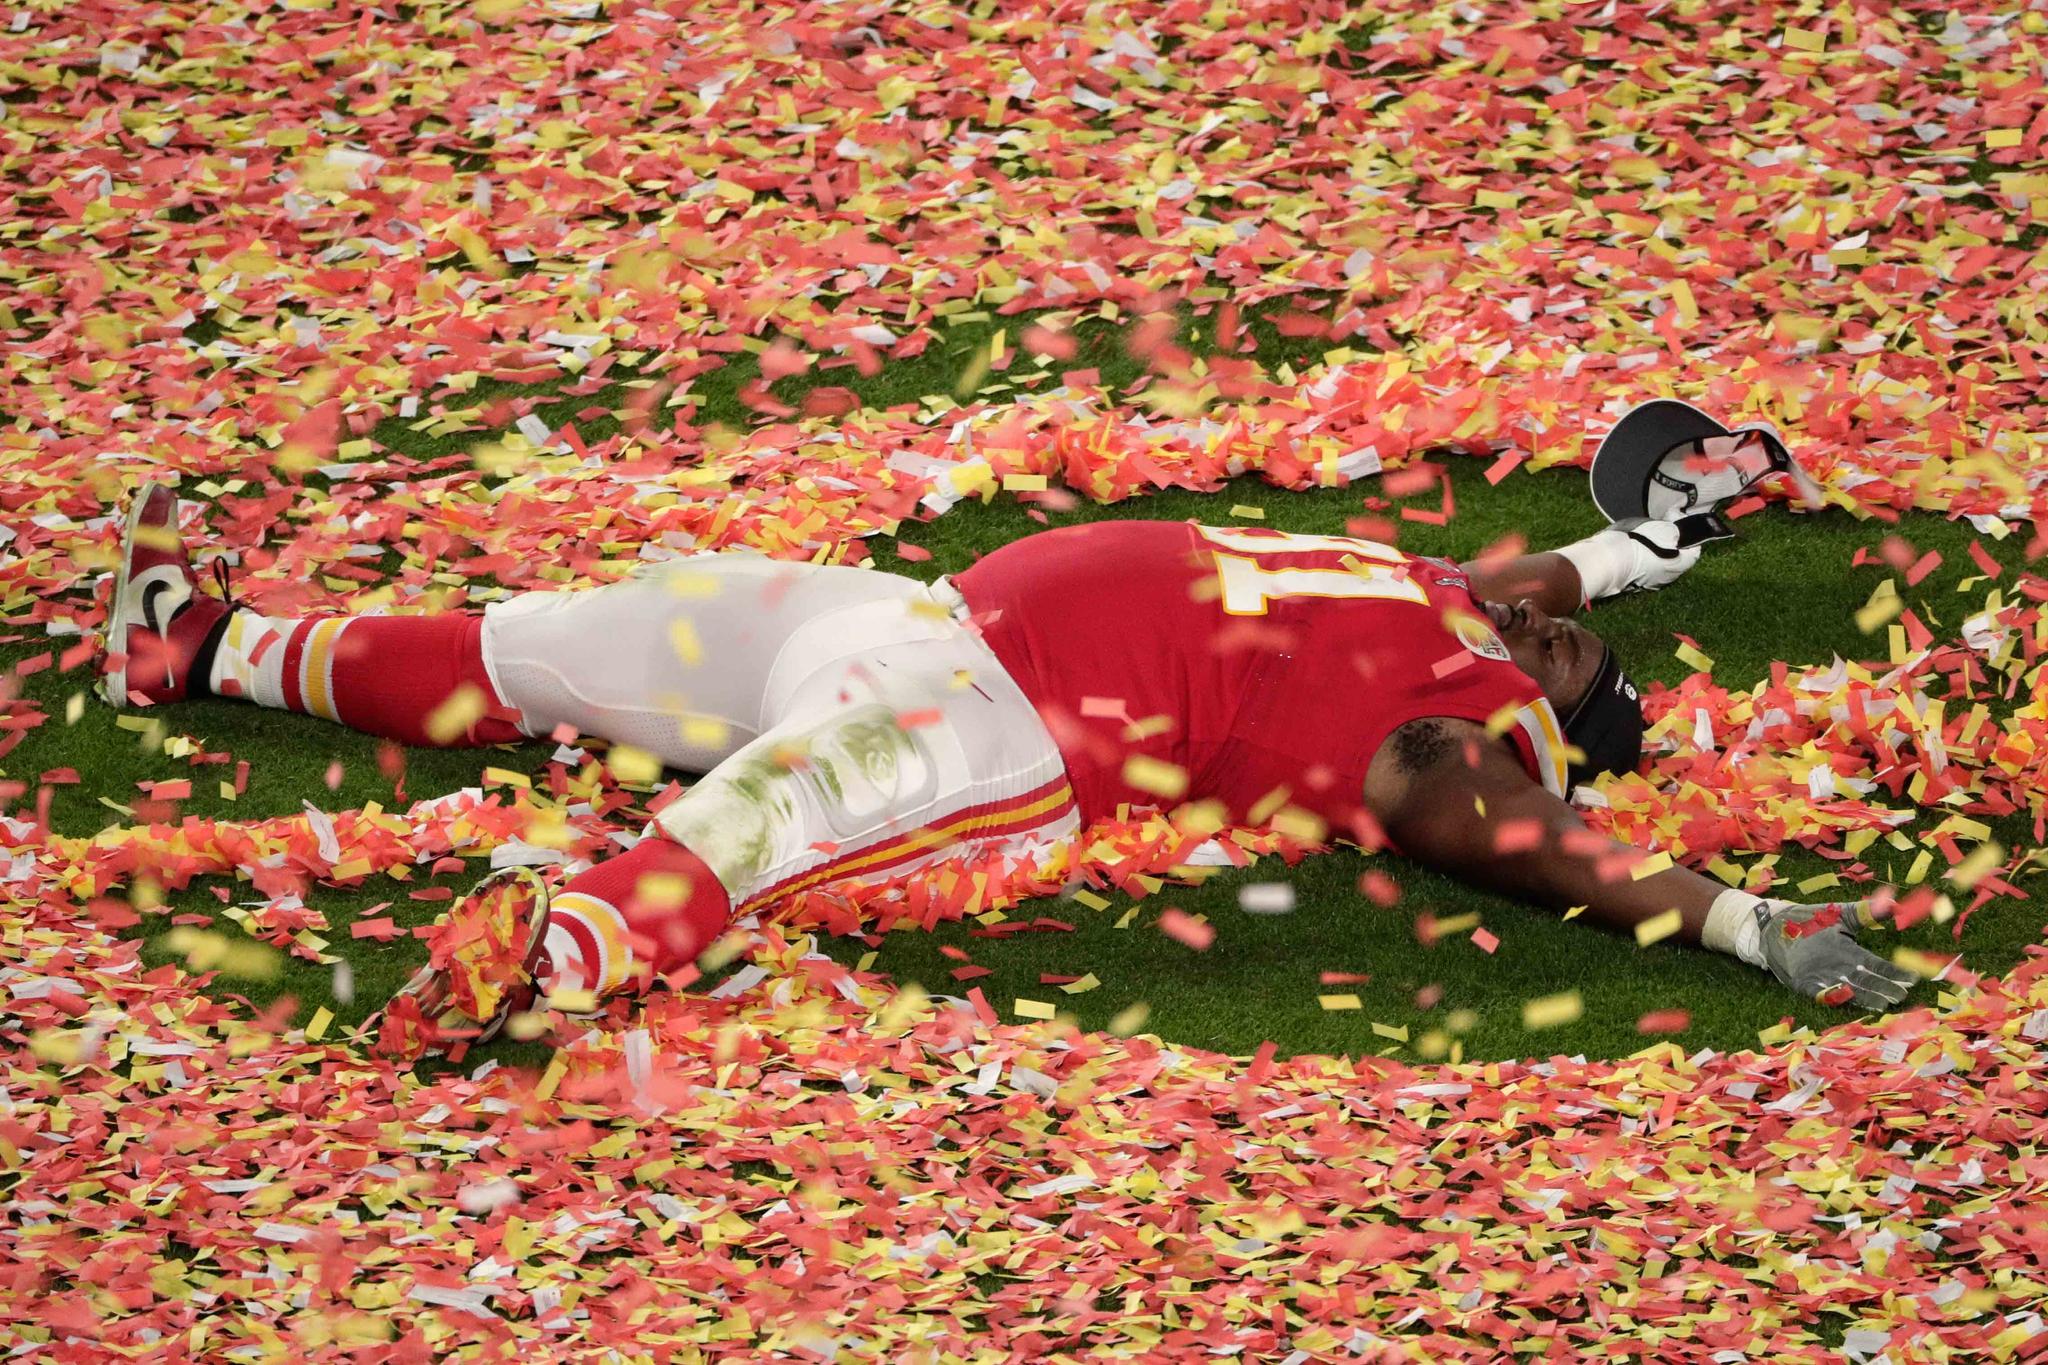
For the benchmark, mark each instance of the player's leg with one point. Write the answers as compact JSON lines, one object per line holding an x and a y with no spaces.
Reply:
{"x":887,"y":756}
{"x":675,"y":660}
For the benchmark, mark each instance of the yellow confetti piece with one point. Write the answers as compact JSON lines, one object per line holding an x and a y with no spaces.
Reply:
{"x":464,"y":707}
{"x":1148,"y":727}
{"x":1023,"y":483}
{"x":1884,"y":604}
{"x":1248,"y":512}
{"x":629,"y":764}
{"x":205,"y":951}
{"x":1130,"y":1019}
{"x":1917,"y":873}
{"x":1086,"y":983}
{"x":1682,"y":298}
{"x":1155,"y":776}
{"x":1976,"y":865}
{"x":1660,"y":861}
{"x":505,"y":777}
{"x":552,"y":1077}
{"x":1399,"y":1035}
{"x":727,"y":948}
{"x":1658,"y":927}
{"x":1806,"y":40}
{"x":1574,"y":912}
{"x":1548,"y":1011}
{"x":707,"y":731}
{"x":1922,"y":964}
{"x":1694,"y":659}
{"x":1032,"y":1009}
{"x":63,"y":1047}
{"x":1340,"y":1002}
{"x":682,"y":638}
{"x":1091,"y":900}
{"x":1296,"y":823}
{"x":316,"y":1027}
{"x":1998,"y":138}
{"x":572,"y":1001}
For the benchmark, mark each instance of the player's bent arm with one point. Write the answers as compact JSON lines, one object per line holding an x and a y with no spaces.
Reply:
{"x":1458,"y":801}
{"x":1645,"y":555}
{"x":1548,"y":579}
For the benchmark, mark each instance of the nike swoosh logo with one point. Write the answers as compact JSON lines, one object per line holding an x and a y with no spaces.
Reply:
{"x":150,"y":594}
{"x":165,"y":592}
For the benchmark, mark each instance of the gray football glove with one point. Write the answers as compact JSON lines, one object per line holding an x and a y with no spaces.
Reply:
{"x":1813,"y":949}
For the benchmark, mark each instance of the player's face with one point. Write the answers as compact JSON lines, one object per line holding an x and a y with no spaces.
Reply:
{"x":1560,"y":654}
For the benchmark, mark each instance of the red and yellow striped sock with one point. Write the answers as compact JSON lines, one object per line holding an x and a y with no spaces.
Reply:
{"x":646,"y":913}
{"x":416,"y":679}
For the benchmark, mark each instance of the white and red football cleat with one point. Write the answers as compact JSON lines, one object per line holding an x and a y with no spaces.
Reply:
{"x":162,"y":620}
{"x":487,"y":956}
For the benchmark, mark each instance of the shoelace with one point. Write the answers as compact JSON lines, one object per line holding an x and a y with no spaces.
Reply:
{"x":221,"y":580}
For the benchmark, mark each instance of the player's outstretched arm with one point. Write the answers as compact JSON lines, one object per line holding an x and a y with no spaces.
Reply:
{"x":1638,"y":557}
{"x":1453,"y":799}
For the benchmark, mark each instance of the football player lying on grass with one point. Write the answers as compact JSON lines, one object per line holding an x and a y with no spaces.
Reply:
{"x":851,"y":723}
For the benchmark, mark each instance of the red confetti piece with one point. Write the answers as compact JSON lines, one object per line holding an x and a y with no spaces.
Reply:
{"x":1379,"y":888}
{"x":1179,"y":925}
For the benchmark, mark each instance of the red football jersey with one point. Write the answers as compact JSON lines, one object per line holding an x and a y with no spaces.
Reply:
{"x":1262,"y":669}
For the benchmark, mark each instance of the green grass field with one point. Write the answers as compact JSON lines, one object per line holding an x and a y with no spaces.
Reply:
{"x":1783,"y":591}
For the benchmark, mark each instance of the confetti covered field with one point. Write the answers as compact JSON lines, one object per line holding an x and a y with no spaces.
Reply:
{"x":423,"y":304}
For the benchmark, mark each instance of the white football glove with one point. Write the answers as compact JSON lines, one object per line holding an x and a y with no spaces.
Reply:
{"x":1638,"y":557}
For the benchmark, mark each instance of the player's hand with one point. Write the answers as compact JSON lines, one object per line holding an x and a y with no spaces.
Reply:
{"x":1631,"y":557}
{"x":1813,"y":949}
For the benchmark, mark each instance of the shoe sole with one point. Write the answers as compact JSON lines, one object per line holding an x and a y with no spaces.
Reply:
{"x":113,"y":685}
{"x":536,"y":931}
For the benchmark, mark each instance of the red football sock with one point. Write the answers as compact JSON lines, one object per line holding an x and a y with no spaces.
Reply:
{"x":643,"y":914}
{"x":416,"y":679}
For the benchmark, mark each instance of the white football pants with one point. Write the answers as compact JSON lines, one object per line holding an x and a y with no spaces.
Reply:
{"x":847,"y":723}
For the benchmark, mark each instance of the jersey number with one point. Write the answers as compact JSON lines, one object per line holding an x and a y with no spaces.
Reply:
{"x":1249,"y":583}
